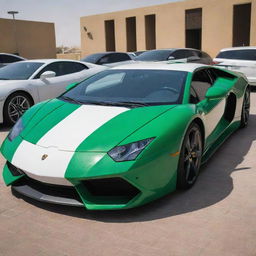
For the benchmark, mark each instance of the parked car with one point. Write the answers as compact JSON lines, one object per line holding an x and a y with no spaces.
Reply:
{"x":125,"y":136}
{"x":107,"y":57}
{"x":138,"y":53}
{"x":132,"y":55}
{"x":7,"y":58}
{"x":241,"y":59}
{"x":181,"y":54}
{"x":25,"y":83}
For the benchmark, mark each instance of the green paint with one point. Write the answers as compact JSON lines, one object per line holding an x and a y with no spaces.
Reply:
{"x":8,"y":177}
{"x":46,"y":118}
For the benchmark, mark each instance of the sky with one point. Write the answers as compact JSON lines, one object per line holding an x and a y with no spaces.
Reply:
{"x":66,"y":13}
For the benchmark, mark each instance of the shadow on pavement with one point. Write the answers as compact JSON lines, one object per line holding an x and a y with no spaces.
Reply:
{"x":4,"y":128}
{"x":214,"y":184}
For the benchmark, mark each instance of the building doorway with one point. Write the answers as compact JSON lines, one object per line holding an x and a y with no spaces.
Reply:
{"x":110,"y":35}
{"x":131,"y":40}
{"x":241,"y":24}
{"x":193,"y":30}
{"x":150,"y":31}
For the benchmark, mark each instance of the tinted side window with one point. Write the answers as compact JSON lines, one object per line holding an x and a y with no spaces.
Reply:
{"x":249,"y":54}
{"x":62,"y":68}
{"x":193,"y":96}
{"x":115,"y":57}
{"x":9,"y":59}
{"x":216,"y":73}
{"x":119,"y":57}
{"x":51,"y":67}
{"x":71,"y":67}
{"x":201,"y":82}
{"x":182,"y":54}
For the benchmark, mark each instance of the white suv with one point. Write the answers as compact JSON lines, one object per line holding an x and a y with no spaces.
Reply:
{"x":240,"y":59}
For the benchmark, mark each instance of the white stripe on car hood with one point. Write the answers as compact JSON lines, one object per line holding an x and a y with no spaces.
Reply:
{"x":75,"y":128}
{"x":68,"y":134}
{"x":28,"y":157}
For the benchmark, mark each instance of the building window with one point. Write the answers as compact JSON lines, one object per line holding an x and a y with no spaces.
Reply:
{"x":241,"y":24}
{"x":150,"y":31}
{"x":131,"y":39}
{"x":193,"y":30}
{"x":110,"y":35}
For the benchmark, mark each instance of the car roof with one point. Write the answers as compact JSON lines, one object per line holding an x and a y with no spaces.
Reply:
{"x":104,"y":53}
{"x":187,"y":67}
{"x":239,"y":48}
{"x":172,"y":49}
{"x":9,"y":54}
{"x":48,"y":61}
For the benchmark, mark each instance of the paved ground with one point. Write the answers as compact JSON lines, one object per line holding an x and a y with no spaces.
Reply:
{"x":215,"y":217}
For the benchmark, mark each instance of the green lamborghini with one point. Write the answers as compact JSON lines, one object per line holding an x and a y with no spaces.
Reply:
{"x":125,"y":136}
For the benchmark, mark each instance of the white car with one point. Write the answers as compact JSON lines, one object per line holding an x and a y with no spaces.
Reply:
{"x":26,"y":83}
{"x":240,"y":59}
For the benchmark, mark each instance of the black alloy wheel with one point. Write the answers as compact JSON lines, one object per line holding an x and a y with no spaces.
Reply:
{"x":15,"y":106}
{"x":245,"y":109}
{"x":190,"y":157}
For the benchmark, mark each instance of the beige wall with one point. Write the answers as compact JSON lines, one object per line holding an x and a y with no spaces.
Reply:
{"x":34,"y":39}
{"x":217,"y":22}
{"x":71,"y":56}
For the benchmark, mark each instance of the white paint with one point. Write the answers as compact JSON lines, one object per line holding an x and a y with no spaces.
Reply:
{"x":161,"y":65}
{"x":213,"y":117}
{"x":75,"y":128}
{"x":60,"y":143}
{"x":28,"y":157}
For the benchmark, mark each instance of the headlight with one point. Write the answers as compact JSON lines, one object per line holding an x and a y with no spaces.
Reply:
{"x":129,"y":151}
{"x":16,"y":130}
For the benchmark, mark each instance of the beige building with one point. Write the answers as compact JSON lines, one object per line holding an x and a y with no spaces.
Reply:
{"x":209,"y":25}
{"x":30,"y":39}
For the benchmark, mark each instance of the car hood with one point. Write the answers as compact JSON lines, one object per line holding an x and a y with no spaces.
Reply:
{"x":72,"y":127}
{"x":7,"y":82}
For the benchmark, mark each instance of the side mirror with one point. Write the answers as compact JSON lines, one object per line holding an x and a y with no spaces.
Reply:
{"x":47,"y":74}
{"x":171,"y":58}
{"x":216,"y":92}
{"x":70,"y":86}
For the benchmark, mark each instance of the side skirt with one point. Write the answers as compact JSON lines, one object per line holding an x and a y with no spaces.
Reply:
{"x":227,"y":132}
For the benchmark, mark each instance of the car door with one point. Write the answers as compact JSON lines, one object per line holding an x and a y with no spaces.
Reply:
{"x":67,"y":72}
{"x":210,"y":111}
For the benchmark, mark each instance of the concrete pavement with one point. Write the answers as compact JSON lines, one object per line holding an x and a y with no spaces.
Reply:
{"x":216,"y":217}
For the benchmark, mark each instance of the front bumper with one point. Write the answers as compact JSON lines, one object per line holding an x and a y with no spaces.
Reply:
{"x":97,"y":182}
{"x":93,"y":194}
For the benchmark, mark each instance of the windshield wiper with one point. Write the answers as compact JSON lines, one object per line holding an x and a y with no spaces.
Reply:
{"x":130,"y":103}
{"x":71,"y":99}
{"x":107,"y":103}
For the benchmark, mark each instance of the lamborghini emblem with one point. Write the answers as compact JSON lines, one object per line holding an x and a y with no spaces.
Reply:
{"x":44,"y":157}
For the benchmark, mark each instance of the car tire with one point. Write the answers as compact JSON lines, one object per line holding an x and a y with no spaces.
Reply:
{"x":15,"y":106}
{"x":245,"y":114}
{"x":190,"y":157}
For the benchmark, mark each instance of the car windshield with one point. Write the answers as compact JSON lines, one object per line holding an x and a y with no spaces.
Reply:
{"x":93,"y":58}
{"x":155,"y":55}
{"x":249,"y":54}
{"x":19,"y":71}
{"x":130,"y":88}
